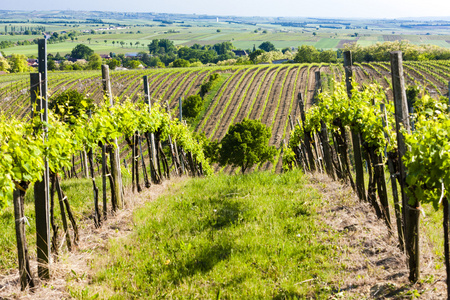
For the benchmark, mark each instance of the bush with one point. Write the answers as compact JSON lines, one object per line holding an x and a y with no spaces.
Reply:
{"x":206,"y":87}
{"x":246,"y":144}
{"x":192,"y":106}
{"x":180,"y":63}
{"x":70,"y":104}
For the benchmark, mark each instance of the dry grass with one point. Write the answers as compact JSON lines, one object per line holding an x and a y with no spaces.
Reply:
{"x":375,"y":267}
{"x":75,"y":266}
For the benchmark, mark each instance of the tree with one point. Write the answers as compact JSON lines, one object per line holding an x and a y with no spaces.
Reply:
{"x":4,"y":65}
{"x":223,"y":48}
{"x":51,"y":65}
{"x":307,"y":54}
{"x":255,"y":54}
{"x":81,"y":52}
{"x":328,"y":56}
{"x":267,"y":46}
{"x":180,"y":63}
{"x":95,"y":62}
{"x":89,"y":40}
{"x":134,"y":64}
{"x":192,"y":106}
{"x":18,"y":63}
{"x":162,"y":46}
{"x":113,"y":63}
{"x":246,"y":144}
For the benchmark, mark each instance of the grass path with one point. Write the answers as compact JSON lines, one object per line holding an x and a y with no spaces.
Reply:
{"x":257,"y":236}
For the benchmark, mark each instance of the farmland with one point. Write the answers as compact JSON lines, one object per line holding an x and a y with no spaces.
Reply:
{"x":136,"y":31}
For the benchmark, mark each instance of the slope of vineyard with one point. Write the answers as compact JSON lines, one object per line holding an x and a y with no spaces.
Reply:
{"x":265,"y":92}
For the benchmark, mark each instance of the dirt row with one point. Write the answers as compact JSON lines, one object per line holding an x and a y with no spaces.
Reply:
{"x":232,"y":109}
{"x":220,"y":103}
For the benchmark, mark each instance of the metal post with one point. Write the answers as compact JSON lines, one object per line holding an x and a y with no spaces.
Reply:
{"x":41,"y":189}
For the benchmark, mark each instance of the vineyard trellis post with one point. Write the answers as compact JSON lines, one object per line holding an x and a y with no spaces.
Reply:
{"x":307,"y":135}
{"x":180,"y":107}
{"x":446,"y":224}
{"x":392,"y":171}
{"x":42,"y":188}
{"x":154,"y":159}
{"x":356,"y":141}
{"x":411,"y":212}
{"x":115,"y":152}
{"x":323,"y":135}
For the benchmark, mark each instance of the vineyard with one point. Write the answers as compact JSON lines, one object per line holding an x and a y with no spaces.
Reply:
{"x":265,"y":92}
{"x":310,"y":112}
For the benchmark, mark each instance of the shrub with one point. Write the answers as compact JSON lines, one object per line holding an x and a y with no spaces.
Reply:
{"x":192,"y":106}
{"x":246,"y":144}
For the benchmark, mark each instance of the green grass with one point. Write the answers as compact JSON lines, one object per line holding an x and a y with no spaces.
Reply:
{"x":253,"y":236}
{"x":327,"y":43}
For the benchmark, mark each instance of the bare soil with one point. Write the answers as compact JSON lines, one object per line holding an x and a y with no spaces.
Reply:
{"x":251,"y":96}
{"x":260,"y":98}
{"x":232,"y":108}
{"x":214,"y":117}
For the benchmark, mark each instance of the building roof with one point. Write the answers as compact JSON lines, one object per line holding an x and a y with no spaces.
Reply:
{"x":240,"y":52}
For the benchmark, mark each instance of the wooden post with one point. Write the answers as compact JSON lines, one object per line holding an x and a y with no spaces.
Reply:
{"x":152,"y":136}
{"x":95,"y":189}
{"x":35,"y":93}
{"x":318,"y":87}
{"x":115,"y":166}
{"x":41,"y":189}
{"x":446,"y":243}
{"x":180,"y":105}
{"x":173,"y":149}
{"x":63,"y":213}
{"x":326,"y":150}
{"x":104,"y":195}
{"x":393,"y":172}
{"x":446,"y":221}
{"x":307,"y":135}
{"x":26,"y":279}
{"x":411,"y":213}
{"x":86,"y":166}
{"x":356,"y":141}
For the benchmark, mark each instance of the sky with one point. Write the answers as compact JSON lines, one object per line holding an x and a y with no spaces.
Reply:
{"x":279,"y":8}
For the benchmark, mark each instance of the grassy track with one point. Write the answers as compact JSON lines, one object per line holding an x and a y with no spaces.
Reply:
{"x":230,"y":237}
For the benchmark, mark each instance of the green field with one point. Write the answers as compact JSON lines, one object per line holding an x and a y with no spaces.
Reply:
{"x":208,"y":32}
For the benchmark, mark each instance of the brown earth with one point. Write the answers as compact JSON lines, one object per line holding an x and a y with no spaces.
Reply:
{"x":234,"y":106}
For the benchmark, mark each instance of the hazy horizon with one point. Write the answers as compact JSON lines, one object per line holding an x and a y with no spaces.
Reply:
{"x":372,"y":9}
